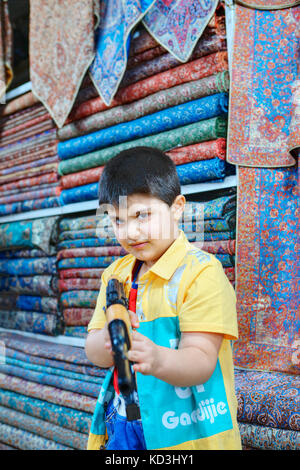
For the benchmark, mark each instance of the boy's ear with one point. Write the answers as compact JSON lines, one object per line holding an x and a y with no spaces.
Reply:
{"x":178,"y":206}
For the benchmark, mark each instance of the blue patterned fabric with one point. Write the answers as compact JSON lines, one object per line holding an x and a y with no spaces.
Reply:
{"x":28,"y":267}
{"x":86,"y":192}
{"x":33,"y":322}
{"x":112,"y":43}
{"x":21,"y":439}
{"x":178,"y":24}
{"x":33,"y":204}
{"x":40,"y":284}
{"x":79,"y":298}
{"x":61,"y":415}
{"x":84,"y":243}
{"x":78,"y":386}
{"x":30,"y":302}
{"x":87,"y":262}
{"x":183,"y":114}
{"x":50,"y":370}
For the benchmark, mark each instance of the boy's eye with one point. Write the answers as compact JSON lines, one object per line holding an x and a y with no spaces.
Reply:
{"x":143,"y":215}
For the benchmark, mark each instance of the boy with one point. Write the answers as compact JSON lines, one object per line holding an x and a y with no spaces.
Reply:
{"x":185,"y":318}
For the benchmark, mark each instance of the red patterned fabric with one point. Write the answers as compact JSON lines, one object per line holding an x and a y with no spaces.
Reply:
{"x":65,"y":285}
{"x":41,"y":170}
{"x":77,"y":316}
{"x":267,"y":267}
{"x":22,"y":102}
{"x":28,"y":182}
{"x":197,"y":152}
{"x":81,"y":273}
{"x":264,"y":68}
{"x":81,"y":178}
{"x":97,"y":251}
{"x":203,"y":67}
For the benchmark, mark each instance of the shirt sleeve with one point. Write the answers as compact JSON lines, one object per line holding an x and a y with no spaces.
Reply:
{"x":210,"y":304}
{"x":98,"y":319}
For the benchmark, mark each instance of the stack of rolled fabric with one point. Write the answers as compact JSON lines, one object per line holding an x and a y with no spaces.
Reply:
{"x":28,"y":276}
{"x":28,"y":157}
{"x":48,"y":393}
{"x":84,"y":251}
{"x":178,"y":108}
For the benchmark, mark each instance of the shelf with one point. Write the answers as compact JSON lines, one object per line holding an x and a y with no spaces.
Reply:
{"x":66,"y":340}
{"x":229,"y":182}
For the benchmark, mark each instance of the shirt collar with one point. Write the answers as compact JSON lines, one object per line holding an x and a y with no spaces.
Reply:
{"x":170,"y":260}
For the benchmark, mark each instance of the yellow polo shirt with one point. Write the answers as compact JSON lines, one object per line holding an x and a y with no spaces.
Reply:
{"x":185,"y":290}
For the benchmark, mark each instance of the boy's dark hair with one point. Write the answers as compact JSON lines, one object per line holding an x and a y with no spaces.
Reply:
{"x":144,"y":170}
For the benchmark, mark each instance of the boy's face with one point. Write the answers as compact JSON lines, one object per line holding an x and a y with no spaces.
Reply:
{"x":146,"y":226}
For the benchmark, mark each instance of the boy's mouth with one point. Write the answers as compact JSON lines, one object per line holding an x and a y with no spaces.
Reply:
{"x":138,"y":245}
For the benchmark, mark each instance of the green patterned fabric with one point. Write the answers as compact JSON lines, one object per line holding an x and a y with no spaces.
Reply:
{"x":201,"y":131}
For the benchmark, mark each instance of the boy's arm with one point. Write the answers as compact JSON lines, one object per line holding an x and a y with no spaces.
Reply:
{"x":191,"y":364}
{"x":95,"y":348}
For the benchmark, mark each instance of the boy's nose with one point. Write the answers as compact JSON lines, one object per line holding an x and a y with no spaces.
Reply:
{"x":133,"y":231}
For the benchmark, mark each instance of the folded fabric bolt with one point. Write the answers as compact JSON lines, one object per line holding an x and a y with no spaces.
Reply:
{"x":209,"y":236}
{"x":210,"y":225}
{"x":25,"y":166}
{"x":28,"y":266}
{"x":86,"y":242}
{"x":226,"y":260}
{"x":46,"y":349}
{"x":201,"y":131}
{"x":79,"y":386}
{"x":278,"y":403}
{"x":77,"y":316}
{"x":209,"y":60}
{"x":151,"y":104}
{"x":197,"y":172}
{"x":43,"y":429}
{"x":180,"y":115}
{"x":196,"y":152}
{"x":30,"y":302}
{"x":26,"y":440}
{"x":79,"y":298}
{"x":65,"y":285}
{"x":39,"y":285}
{"x":65,"y":417}
{"x":31,"y":253}
{"x":81,"y":273}
{"x":29,"y":195}
{"x":50,"y":370}
{"x":97,"y":252}
{"x":33,"y":204}
{"x":29,"y":182}
{"x":76,"y":331}
{"x":93,"y":262}
{"x":37,"y":233}
{"x":220,"y":246}
{"x":265,"y":438}
{"x":33,"y":322}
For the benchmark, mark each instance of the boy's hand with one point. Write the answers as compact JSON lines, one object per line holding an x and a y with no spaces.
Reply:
{"x":134,"y":323}
{"x":144,"y":353}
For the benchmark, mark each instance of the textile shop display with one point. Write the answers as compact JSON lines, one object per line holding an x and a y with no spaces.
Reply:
{"x":266,"y":51}
{"x":47,"y":394}
{"x":28,"y":159}
{"x":28,"y":277}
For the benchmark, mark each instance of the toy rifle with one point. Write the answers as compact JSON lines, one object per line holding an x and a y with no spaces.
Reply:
{"x":119,"y":327}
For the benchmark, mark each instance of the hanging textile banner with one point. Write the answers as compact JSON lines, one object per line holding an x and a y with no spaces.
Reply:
{"x":267,"y":291}
{"x":117,"y":19}
{"x":264,"y":70}
{"x":178,"y":24}
{"x":6,"y":46}
{"x":61,"y":50}
{"x":268,"y":4}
